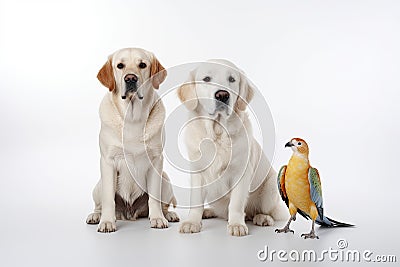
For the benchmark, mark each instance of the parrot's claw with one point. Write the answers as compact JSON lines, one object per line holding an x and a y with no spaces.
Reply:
{"x":311,"y":235}
{"x":284,"y":230}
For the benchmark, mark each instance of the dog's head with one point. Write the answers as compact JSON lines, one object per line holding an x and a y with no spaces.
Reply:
{"x":216,"y":87}
{"x":128,"y":69}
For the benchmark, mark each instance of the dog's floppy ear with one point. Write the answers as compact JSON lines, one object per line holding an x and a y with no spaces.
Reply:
{"x":187,"y":93}
{"x":106,"y":75}
{"x":157,"y":72}
{"x":246,"y":93}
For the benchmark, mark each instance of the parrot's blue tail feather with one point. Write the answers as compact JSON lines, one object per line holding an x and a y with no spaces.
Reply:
{"x":328,"y":222}
{"x":340,"y":224}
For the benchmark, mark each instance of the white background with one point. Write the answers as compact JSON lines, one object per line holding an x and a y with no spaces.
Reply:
{"x":329,"y":71}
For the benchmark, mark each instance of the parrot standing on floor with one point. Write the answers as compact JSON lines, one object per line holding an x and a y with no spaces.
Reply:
{"x":300,"y":187}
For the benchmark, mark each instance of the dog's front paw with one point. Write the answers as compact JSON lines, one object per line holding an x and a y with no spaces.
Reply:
{"x":171,"y":216}
{"x":238,"y":229}
{"x":189,"y":227}
{"x":158,"y":223}
{"x":263,"y":220}
{"x":107,"y":227}
{"x":93,"y":218}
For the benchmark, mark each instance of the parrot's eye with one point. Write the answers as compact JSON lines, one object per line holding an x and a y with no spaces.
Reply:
{"x":299,"y":143}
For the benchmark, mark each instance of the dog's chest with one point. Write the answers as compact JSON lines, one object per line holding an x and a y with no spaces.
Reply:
{"x":133,"y":131}
{"x":222,"y":157}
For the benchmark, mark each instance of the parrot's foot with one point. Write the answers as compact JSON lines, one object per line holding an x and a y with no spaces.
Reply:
{"x":311,"y":235}
{"x":284,"y":230}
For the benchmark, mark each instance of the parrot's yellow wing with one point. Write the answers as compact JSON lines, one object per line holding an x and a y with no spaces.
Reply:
{"x":316,"y":190}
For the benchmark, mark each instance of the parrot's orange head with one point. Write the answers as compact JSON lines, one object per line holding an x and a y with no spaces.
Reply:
{"x":298,"y":145}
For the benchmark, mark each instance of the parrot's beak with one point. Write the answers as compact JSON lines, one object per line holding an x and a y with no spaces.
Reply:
{"x":289,"y":144}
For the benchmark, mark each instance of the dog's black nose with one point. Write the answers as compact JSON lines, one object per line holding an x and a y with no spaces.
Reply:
{"x":222,"y":96}
{"x":131,"y":78}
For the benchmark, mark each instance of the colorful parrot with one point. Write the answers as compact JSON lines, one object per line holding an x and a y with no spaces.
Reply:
{"x":300,"y":187}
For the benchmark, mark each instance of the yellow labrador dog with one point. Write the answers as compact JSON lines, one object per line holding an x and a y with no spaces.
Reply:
{"x":228,"y":166}
{"x":132,"y":117}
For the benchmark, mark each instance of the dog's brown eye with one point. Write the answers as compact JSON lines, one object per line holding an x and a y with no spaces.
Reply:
{"x":142,"y":65}
{"x":231,"y":79}
{"x":207,"y":79}
{"x":120,"y":66}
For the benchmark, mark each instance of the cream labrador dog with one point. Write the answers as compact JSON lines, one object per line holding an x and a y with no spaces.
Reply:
{"x":228,"y":166}
{"x":132,"y":182}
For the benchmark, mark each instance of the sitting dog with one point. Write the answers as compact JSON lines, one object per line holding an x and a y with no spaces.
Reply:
{"x":231,"y":172}
{"x":132,"y":182}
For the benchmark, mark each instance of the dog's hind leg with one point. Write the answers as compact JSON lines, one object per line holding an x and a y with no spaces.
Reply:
{"x":209,"y":213}
{"x":171,"y":216}
{"x":263,"y":220}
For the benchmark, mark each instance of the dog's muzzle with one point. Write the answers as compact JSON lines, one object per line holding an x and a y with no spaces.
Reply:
{"x":130,"y":85}
{"x":222,"y":100}
{"x":222,"y":96}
